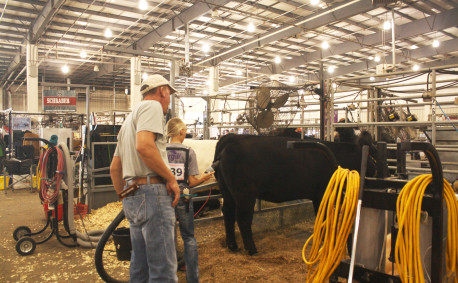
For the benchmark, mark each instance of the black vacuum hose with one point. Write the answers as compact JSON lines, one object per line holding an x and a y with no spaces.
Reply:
{"x":101,"y":246}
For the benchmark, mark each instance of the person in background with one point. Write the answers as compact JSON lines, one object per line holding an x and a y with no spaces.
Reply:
{"x":140,"y":159}
{"x":53,"y":140}
{"x":344,"y":134}
{"x":183,"y":163}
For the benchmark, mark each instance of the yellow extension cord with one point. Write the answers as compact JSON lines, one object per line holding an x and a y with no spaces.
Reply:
{"x":333,"y":224}
{"x":408,"y":207}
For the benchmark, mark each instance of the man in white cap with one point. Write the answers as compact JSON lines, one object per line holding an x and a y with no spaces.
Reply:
{"x":141,"y":158}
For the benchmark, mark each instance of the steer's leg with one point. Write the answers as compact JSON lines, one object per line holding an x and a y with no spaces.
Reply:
{"x":229,"y":220}
{"x":245,"y":211}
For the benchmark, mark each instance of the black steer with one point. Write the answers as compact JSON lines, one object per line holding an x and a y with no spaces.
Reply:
{"x":250,"y":167}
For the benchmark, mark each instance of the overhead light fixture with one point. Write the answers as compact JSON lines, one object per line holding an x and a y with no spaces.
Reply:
{"x":334,"y":85}
{"x":372,"y":78}
{"x":416,"y":67}
{"x":169,"y":64}
{"x":238,"y":72}
{"x":292,"y":79}
{"x":65,"y":69}
{"x":143,"y":5}
{"x":325,"y":45}
{"x":386,"y":25}
{"x":83,"y":54}
{"x":144,"y":76}
{"x":215,"y":14}
{"x":331,"y":69}
{"x":205,"y":48}
{"x":371,"y":57}
{"x":204,"y":19}
{"x":436,"y":43}
{"x":108,"y":33}
{"x":96,"y":68}
{"x":377,"y":58}
{"x":413,"y":47}
{"x":251,"y":27}
{"x":126,"y":91}
{"x":314,"y":2}
{"x":277,"y":59}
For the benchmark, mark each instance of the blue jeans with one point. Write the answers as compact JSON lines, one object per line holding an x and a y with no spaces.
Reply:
{"x":186,"y":223}
{"x":152,"y":231}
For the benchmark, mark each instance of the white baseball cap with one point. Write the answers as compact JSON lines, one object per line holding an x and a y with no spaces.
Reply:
{"x":154,"y":81}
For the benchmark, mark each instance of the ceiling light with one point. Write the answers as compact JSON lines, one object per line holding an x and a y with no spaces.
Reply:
{"x":108,"y":33}
{"x":314,"y":2}
{"x":377,"y":58}
{"x":371,"y":57}
{"x":436,"y":43}
{"x":144,"y":76}
{"x":372,"y":78}
{"x":331,"y":69}
{"x":413,"y":46}
{"x":277,"y":59}
{"x":334,"y":85}
{"x":204,"y":19}
{"x":126,"y":91}
{"x":83,"y":54}
{"x":238,"y":72}
{"x":251,"y":27}
{"x":416,"y":67}
{"x":292,"y":79}
{"x":65,"y":69}
{"x":169,"y":64}
{"x":386,"y":25}
{"x":215,"y":13}
{"x":205,"y":48}
{"x":142,"y":5}
{"x":325,"y":45}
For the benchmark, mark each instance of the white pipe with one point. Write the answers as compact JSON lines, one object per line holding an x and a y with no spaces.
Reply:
{"x":393,"y":45}
{"x":4,"y":9}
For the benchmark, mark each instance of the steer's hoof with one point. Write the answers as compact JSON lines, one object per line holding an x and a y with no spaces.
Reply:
{"x":253,"y":252}
{"x":233,"y":247}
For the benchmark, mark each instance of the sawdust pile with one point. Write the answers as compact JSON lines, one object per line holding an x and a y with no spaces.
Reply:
{"x":101,"y":218}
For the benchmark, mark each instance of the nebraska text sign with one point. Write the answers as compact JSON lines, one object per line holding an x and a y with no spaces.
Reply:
{"x":59,"y":100}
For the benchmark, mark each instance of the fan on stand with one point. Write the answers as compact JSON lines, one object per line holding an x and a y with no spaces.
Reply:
{"x":272,"y":106}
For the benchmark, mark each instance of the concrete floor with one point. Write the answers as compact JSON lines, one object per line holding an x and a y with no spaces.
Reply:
{"x":51,"y":261}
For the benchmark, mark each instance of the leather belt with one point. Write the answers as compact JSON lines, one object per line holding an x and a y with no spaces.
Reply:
{"x":146,"y":180}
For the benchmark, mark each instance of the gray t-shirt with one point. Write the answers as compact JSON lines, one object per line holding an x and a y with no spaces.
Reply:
{"x":193,"y":168}
{"x":146,"y":116}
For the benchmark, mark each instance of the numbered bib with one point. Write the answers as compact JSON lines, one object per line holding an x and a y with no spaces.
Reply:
{"x":177,"y":170}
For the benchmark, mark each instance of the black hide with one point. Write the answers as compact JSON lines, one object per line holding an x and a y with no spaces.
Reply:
{"x":250,"y":167}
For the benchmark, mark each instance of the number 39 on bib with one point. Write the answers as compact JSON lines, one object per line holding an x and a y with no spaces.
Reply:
{"x":177,"y":170}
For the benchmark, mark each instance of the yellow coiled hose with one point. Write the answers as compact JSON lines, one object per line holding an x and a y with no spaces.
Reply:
{"x":408,"y":206}
{"x":333,"y":224}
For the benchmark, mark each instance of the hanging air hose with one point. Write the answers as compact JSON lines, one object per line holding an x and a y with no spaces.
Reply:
{"x":408,"y":207}
{"x":333,"y":223}
{"x":49,"y":188}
